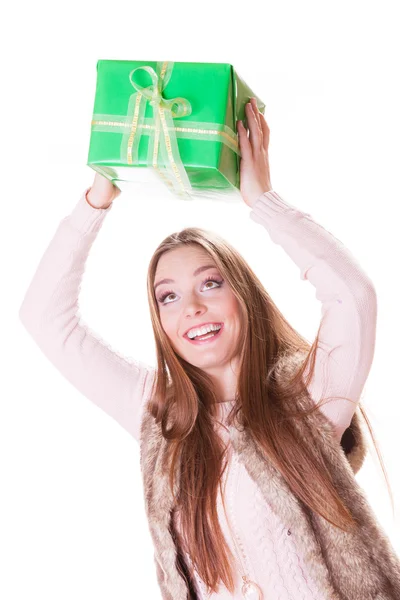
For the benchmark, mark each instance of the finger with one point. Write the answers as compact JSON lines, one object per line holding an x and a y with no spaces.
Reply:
{"x":262,"y":124}
{"x":265,"y":130}
{"x":256,"y":111}
{"x":254,"y":129}
{"x":244,"y":143}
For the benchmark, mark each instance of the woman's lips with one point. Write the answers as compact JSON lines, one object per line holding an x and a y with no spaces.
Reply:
{"x":207,"y":341}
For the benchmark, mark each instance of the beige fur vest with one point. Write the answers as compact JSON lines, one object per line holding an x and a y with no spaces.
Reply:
{"x":345,"y":566}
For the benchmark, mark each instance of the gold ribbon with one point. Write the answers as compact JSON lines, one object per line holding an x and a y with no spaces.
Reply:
{"x":163,"y":152}
{"x":163,"y":140}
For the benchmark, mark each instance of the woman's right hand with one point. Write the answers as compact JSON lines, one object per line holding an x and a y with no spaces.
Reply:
{"x":102,"y":192}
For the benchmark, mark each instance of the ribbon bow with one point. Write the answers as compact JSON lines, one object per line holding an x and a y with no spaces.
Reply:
{"x":163,"y":152}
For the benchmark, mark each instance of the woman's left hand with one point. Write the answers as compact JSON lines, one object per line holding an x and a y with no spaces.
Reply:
{"x":255,"y":177}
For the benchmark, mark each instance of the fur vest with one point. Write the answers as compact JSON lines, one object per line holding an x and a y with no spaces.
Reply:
{"x":345,"y":566}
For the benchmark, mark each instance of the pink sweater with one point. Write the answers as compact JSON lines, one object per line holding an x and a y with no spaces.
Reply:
{"x":121,"y":386}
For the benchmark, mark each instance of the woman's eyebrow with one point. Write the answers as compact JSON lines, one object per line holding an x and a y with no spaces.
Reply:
{"x":197,"y":272}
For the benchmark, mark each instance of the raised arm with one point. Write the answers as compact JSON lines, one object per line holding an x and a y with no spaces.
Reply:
{"x":50,"y":314}
{"x":348,"y":303}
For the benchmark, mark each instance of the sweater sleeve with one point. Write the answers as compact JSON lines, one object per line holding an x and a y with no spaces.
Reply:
{"x":50,"y":313}
{"x":348,"y":304}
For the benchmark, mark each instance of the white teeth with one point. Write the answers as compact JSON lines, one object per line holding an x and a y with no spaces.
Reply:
{"x":203,"y":330}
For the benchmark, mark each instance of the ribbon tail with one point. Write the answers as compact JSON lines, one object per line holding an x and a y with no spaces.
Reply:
{"x":153,"y":151}
{"x":171,"y":159}
{"x":129,"y":149}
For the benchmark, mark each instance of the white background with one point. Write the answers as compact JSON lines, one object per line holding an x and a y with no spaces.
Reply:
{"x":72,"y":513}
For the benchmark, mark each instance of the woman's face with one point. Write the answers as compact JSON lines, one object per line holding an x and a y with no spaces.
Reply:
{"x":192,"y":299}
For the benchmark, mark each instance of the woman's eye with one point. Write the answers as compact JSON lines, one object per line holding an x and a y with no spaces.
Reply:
{"x":165,"y":295}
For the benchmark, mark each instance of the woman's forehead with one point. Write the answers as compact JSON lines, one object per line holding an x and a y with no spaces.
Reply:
{"x":183,"y":258}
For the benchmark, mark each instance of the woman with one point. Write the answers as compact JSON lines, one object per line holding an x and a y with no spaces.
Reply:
{"x":249,"y":436}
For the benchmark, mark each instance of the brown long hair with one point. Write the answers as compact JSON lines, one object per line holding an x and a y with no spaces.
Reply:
{"x":184,"y":397}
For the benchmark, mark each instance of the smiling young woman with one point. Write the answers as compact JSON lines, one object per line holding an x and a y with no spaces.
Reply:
{"x":250,"y":439}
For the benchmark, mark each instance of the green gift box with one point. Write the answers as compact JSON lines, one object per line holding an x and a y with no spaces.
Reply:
{"x":173,"y":123}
